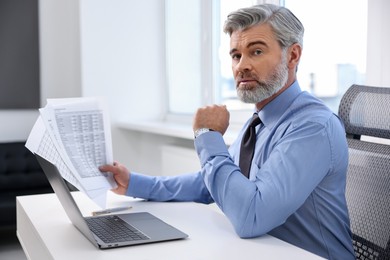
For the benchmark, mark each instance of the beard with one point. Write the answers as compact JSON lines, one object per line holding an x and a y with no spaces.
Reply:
{"x":264,"y":88}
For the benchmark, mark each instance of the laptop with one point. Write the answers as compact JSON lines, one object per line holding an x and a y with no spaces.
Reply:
{"x":110,"y":231}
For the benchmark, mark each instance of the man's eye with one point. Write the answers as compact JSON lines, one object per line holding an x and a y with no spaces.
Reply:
{"x":236,"y":56}
{"x":257,"y":52}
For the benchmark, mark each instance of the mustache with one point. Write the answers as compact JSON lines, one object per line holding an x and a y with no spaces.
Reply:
{"x":246,"y":76}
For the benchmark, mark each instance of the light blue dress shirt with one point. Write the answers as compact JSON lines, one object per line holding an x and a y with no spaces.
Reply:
{"x":296,"y":188}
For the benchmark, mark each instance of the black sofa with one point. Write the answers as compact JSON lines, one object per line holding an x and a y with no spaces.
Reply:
{"x":20,"y":174}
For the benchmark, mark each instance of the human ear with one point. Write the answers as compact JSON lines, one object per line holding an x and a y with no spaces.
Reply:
{"x":294,"y":55}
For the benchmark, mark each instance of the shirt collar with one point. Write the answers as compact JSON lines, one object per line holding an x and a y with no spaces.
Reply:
{"x":271,"y":112}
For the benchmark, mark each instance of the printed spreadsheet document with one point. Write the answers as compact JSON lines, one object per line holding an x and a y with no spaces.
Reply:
{"x":75,"y":135}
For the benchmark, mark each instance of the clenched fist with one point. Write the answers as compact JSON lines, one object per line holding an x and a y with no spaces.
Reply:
{"x":214,"y":117}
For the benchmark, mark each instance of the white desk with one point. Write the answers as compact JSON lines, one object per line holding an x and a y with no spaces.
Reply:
{"x":45,"y":232}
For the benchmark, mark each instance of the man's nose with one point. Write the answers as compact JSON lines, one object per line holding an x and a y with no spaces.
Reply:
{"x":244,"y":65}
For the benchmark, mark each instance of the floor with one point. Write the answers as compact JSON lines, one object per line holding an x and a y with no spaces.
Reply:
{"x":10,"y":248}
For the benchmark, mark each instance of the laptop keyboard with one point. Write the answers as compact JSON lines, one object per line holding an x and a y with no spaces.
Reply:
{"x":112,"y":229}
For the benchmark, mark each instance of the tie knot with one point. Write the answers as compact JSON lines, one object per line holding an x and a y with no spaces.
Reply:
{"x":255,"y":120}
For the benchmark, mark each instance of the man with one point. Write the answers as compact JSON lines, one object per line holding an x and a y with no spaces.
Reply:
{"x":296,"y":181}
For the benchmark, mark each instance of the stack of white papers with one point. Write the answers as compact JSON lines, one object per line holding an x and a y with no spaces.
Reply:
{"x":75,"y":135}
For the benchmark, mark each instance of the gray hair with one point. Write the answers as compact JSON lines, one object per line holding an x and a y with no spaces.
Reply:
{"x":286,"y":26}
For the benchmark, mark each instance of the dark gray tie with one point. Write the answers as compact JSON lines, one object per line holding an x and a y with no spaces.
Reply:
{"x":248,"y":145}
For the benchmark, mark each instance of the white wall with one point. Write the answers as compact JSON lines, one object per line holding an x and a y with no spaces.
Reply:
{"x":123,"y":55}
{"x":16,"y":124}
{"x":59,"y":49}
{"x":114,"y":49}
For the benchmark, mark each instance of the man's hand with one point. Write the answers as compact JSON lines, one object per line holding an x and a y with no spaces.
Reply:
{"x":213,"y":117}
{"x":121,"y":176}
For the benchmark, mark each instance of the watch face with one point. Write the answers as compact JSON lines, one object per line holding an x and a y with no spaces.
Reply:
{"x":200,"y":131}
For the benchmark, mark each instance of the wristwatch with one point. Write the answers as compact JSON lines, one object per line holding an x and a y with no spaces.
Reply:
{"x":200,"y":131}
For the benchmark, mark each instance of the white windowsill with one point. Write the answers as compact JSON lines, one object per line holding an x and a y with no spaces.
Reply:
{"x":184,"y":131}
{"x":177,"y":130}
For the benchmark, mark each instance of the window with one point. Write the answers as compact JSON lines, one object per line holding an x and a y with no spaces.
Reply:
{"x":199,"y":67}
{"x":335,"y":46}
{"x":197,"y":59}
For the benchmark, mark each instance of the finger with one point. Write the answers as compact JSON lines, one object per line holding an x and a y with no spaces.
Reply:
{"x":107,"y":168}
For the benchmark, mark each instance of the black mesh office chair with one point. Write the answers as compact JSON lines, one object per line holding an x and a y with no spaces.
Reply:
{"x":366,"y":111}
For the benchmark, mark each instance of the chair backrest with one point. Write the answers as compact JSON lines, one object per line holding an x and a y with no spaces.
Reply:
{"x":366,"y":111}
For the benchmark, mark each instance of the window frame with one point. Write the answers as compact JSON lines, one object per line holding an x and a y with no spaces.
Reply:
{"x":209,"y":79}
